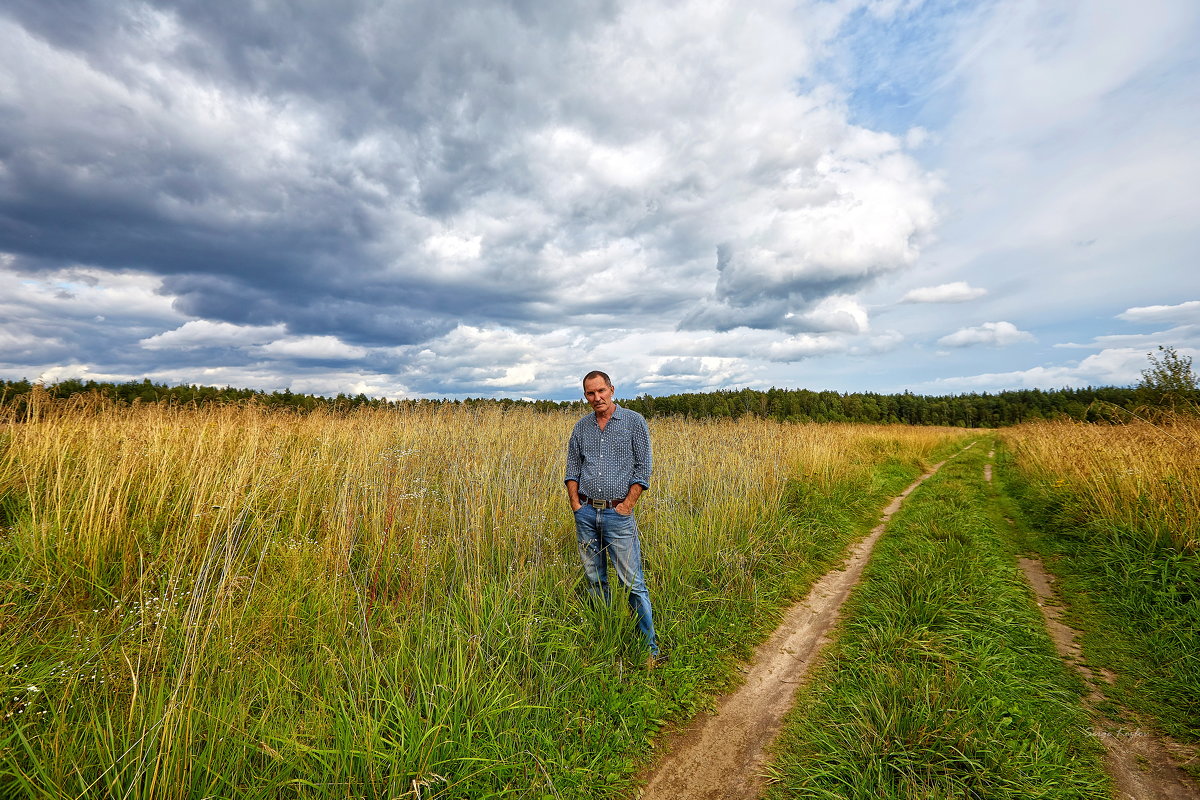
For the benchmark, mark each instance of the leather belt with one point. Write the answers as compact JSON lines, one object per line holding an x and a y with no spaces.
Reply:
{"x":587,"y":501}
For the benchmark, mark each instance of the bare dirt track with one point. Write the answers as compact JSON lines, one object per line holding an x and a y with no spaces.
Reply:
{"x":1143,"y":766}
{"x":722,"y":754}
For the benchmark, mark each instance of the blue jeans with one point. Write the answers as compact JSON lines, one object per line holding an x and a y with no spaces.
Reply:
{"x":604,"y":535}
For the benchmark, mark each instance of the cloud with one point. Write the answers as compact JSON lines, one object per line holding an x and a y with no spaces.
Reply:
{"x":413,"y":167}
{"x":689,"y":375}
{"x":860,"y":210}
{"x":1181,"y":312}
{"x":995,"y":334}
{"x":674,"y":367}
{"x":956,"y":292}
{"x":884,"y":342}
{"x":326,"y":382}
{"x":452,"y":248}
{"x":480,"y":198}
{"x":74,"y":315}
{"x":835,"y":313}
{"x":1061,"y":163}
{"x":1112,"y":367}
{"x":760,"y":344}
{"x":1178,"y":335}
{"x":62,"y":372}
{"x":325,"y":348}
{"x":22,"y":345}
{"x":486,"y":361}
{"x":203,"y":333}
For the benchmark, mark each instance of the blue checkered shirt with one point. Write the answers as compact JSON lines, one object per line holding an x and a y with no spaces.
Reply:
{"x":607,"y":462}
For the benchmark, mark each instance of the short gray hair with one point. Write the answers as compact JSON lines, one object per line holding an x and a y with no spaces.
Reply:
{"x":598,"y":374}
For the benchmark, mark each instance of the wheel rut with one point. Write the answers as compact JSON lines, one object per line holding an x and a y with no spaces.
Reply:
{"x":722,"y":754}
{"x":1143,"y":765}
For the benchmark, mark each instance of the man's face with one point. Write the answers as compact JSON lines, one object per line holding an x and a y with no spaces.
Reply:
{"x":598,"y":394}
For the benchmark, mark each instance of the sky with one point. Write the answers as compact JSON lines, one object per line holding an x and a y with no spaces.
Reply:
{"x":489,"y":198}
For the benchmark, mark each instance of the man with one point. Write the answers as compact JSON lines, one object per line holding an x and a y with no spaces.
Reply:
{"x":608,"y":467}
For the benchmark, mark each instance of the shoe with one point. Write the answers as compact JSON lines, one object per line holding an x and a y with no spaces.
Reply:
{"x":657,"y":659}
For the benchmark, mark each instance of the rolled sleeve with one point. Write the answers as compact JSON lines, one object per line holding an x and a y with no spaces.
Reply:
{"x":574,"y":459}
{"x":643,"y":457}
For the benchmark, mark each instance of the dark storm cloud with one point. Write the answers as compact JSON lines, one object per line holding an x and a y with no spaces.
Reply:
{"x":399,"y":185}
{"x":83,"y":25}
{"x":379,"y":57}
{"x":239,"y":238}
{"x":765,"y":304}
{"x":458,"y":85}
{"x":307,"y":306}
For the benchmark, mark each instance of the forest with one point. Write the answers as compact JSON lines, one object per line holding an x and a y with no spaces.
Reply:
{"x":973,"y":410}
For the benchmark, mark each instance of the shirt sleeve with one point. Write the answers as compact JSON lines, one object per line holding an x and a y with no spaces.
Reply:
{"x":642,"y":455}
{"x":574,"y":462}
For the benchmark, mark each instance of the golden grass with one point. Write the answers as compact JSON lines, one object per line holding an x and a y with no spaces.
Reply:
{"x":1139,"y":477}
{"x":125,"y":493}
{"x":383,"y":509}
{"x":224,"y":568}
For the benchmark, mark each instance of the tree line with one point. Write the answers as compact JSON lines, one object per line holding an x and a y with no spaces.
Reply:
{"x":972,"y":410}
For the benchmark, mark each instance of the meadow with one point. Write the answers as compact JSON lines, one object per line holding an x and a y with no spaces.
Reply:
{"x":1115,"y":511}
{"x":237,"y":602}
{"x":1137,"y":481}
{"x":942,"y":681}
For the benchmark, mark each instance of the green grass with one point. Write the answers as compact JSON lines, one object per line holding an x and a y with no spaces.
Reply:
{"x":1135,"y":598}
{"x":942,"y":682}
{"x":265,"y":631}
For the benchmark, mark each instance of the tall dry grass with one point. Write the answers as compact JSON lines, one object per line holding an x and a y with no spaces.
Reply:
{"x":236,"y":600}
{"x":1116,"y":510}
{"x":1142,"y":478}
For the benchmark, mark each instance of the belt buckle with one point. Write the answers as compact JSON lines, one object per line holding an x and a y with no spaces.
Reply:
{"x":597,"y":503}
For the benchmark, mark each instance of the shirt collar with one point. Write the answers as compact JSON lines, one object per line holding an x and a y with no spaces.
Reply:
{"x":615,"y":415}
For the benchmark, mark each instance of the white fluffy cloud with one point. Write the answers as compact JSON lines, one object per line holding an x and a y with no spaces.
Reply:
{"x":691,"y":375}
{"x":859,"y":210}
{"x":955,"y":292}
{"x":78,"y":292}
{"x":203,"y":333}
{"x":1112,"y":367}
{"x":1180,"y":312}
{"x":995,"y":334}
{"x":312,"y":347}
{"x":841,"y":313}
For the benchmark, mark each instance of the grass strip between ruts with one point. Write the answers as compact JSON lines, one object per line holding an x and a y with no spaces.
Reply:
{"x":942,"y":682}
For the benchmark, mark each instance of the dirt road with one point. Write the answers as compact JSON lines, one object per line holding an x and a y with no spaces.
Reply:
{"x":1143,"y":766}
{"x":721,"y":755}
